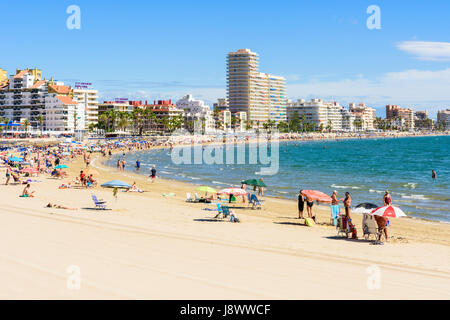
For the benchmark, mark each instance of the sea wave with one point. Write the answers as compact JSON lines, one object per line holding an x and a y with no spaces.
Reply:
{"x":344,"y":187}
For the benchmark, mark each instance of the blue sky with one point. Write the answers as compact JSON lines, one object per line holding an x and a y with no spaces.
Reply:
{"x":164,"y":49}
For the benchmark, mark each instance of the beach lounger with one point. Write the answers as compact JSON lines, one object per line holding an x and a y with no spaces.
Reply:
{"x":335,"y":211}
{"x":370,"y":226}
{"x":99,"y":203}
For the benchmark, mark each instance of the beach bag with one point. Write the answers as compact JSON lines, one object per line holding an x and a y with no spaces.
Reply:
{"x":309,"y":222}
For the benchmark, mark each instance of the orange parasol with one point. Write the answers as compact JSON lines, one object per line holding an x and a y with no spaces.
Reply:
{"x":317,"y":195}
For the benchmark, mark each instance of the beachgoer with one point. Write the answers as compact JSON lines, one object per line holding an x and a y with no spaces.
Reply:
{"x":153,"y":173}
{"x":261,"y":189}
{"x":433,"y":174}
{"x":8,"y":176}
{"x":347,"y":205}
{"x":301,"y":204}
{"x":27,"y":192}
{"x":138,"y":165}
{"x":51,"y":205}
{"x":383,"y":224}
{"x":243,"y":187}
{"x":387,"y":198}
{"x":309,"y":206}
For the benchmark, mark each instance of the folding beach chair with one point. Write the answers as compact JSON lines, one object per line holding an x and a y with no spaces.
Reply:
{"x":335,"y":211}
{"x":219,"y":211}
{"x":197,"y":199}
{"x":370,"y":226}
{"x":342,"y":228}
{"x":188,"y":197}
{"x":225,"y":211}
{"x":99,"y":203}
{"x":256,"y":203}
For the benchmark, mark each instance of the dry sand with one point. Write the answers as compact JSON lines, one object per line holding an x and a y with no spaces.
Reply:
{"x":154,"y":247}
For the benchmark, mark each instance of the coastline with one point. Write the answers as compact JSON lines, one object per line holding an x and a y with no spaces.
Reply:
{"x":153,"y":247}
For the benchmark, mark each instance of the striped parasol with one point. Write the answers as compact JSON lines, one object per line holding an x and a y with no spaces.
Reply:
{"x":389,"y":212}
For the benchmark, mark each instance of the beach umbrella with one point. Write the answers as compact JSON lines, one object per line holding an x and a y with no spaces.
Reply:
{"x":254,"y":182}
{"x":116,"y":184}
{"x":388,"y":212}
{"x":317,"y":195}
{"x":206,"y":189}
{"x":15,"y":159}
{"x":234,"y":191}
{"x":61,"y":166}
{"x":365,"y":207}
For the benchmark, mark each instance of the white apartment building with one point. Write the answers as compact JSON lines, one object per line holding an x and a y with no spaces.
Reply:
{"x":63,"y":115}
{"x":262,"y":96}
{"x":197,"y":111}
{"x":321,"y":114}
{"x":443,"y":116}
{"x":88,"y":99}
{"x":25,"y":96}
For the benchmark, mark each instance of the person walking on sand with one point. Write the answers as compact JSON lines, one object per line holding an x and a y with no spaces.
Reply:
{"x":301,"y":204}
{"x":153,"y":173}
{"x":309,"y":206}
{"x":8,"y":175}
{"x":261,"y":189}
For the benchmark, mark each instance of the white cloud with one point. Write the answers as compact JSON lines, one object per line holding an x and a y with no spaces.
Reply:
{"x":426,"y":50}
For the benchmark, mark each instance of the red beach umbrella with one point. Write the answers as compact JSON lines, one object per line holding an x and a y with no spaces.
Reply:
{"x":317,"y":195}
{"x":388,"y":212}
{"x":29,"y":170}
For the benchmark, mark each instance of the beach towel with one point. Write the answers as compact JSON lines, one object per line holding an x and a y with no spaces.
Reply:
{"x":335,"y":211}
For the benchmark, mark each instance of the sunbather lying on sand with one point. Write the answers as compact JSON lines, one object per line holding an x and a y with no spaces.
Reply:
{"x":52,"y":205}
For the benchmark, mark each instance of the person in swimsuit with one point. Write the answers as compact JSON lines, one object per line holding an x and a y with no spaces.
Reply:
{"x":301,"y":204}
{"x":387,"y":198}
{"x":433,"y":174}
{"x":347,"y":205}
{"x":153,"y":173}
{"x":383,"y":224}
{"x":309,"y":205}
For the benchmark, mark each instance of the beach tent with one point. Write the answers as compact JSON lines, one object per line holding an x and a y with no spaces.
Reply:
{"x":116,"y":184}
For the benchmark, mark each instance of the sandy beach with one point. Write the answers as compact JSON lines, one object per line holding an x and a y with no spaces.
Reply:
{"x":153,"y":247}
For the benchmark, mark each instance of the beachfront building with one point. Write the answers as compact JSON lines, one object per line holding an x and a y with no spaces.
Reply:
{"x":63,"y":114}
{"x":422,"y":122}
{"x":262,"y":96}
{"x":225,"y":120}
{"x":443,"y":119}
{"x":364,"y":116}
{"x":196,"y":111}
{"x":23,"y":100}
{"x":165,"y":111}
{"x":88,"y":99}
{"x":319,"y":115}
{"x":240,"y":121}
{"x":395,"y":113}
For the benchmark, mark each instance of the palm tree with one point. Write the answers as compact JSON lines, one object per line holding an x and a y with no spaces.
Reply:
{"x":6,"y":122}
{"x":26,"y":124}
{"x":40,"y":119}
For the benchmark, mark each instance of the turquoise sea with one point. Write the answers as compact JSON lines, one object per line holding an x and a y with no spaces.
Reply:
{"x":365,"y":168}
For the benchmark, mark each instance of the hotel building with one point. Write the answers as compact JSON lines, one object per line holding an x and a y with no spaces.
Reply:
{"x":45,"y":104}
{"x":364,"y":116}
{"x":196,"y":110}
{"x":262,"y":96}
{"x":443,"y":117}
{"x":406,"y":116}
{"x":88,"y":99}
{"x":321,"y":114}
